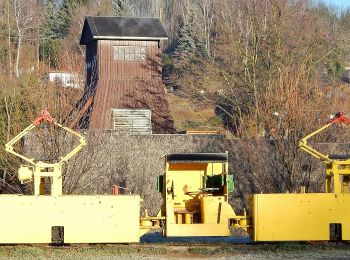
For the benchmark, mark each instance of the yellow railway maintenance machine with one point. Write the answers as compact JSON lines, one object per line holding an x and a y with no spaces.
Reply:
{"x":195,"y":189}
{"x":308,"y":216}
{"x":57,"y":218}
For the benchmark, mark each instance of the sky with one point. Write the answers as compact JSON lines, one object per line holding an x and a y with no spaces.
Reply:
{"x":339,"y":3}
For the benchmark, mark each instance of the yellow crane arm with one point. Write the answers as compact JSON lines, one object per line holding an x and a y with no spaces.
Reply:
{"x":339,"y":118}
{"x":82,"y":143}
{"x":307,"y":148}
{"x":9,"y":146}
{"x":44,"y":116}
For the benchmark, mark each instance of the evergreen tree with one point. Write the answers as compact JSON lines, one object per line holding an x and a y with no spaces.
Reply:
{"x":65,"y":17}
{"x":50,"y":35}
{"x":190,"y":40}
{"x":58,"y":18}
{"x":50,"y":30}
{"x":187,"y":40}
{"x":57,"y":21}
{"x":191,"y":47}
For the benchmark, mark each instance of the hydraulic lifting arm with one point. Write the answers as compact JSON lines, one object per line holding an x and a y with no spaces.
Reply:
{"x":9,"y":145}
{"x":44,"y":116}
{"x":38,"y":169}
{"x":335,"y":165}
{"x":304,"y":145}
{"x":338,"y":118}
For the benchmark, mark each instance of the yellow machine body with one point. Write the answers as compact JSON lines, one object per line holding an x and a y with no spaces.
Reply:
{"x":299,"y":217}
{"x":57,"y":218}
{"x":80,"y":219}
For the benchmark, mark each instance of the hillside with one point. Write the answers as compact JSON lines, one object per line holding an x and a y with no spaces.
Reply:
{"x":188,"y":114}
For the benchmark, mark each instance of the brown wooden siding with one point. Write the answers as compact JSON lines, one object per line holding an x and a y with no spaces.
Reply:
{"x":124,"y":70}
{"x":129,"y":84}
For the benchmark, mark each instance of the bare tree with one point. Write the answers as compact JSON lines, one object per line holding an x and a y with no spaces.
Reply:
{"x":23,"y":12}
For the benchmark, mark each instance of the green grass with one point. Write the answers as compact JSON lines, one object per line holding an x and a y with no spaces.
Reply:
{"x":295,"y":250}
{"x":77,"y":252}
{"x":201,"y":251}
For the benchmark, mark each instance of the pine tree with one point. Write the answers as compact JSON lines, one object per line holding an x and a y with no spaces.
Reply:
{"x":58,"y":18}
{"x":65,"y":17}
{"x":50,"y":35}
{"x":50,"y":30}
{"x":189,"y":39}
{"x":190,"y":48}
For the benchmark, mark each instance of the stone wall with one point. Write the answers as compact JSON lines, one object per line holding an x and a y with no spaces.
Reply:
{"x":118,"y":158}
{"x":134,"y":162}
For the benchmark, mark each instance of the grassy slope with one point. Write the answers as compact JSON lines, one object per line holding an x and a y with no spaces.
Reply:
{"x":188,"y":114}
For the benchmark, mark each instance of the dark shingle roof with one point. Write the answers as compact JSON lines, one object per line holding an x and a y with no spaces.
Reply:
{"x":113,"y":27}
{"x":197,"y":157}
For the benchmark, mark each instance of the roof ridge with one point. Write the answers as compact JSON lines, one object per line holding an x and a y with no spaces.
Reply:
{"x":93,"y":22}
{"x":123,"y":28}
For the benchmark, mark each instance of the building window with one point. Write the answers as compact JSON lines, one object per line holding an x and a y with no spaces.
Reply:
{"x":130,"y":53}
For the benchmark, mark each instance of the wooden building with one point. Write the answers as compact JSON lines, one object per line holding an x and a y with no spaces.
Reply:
{"x":123,"y":59}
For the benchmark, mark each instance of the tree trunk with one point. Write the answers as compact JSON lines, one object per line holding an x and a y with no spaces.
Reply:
{"x":9,"y":71}
{"x":18,"y":52}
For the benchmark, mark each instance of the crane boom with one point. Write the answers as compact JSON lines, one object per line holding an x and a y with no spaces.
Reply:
{"x":335,"y":165}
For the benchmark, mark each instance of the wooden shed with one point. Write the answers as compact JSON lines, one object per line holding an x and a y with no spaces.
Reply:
{"x":123,"y":62}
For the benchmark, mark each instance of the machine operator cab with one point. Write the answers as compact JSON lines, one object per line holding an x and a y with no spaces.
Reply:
{"x":195,"y":189}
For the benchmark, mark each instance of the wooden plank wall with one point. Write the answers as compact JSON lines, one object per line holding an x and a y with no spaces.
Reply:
{"x":127,"y":70}
{"x":129,"y":84}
